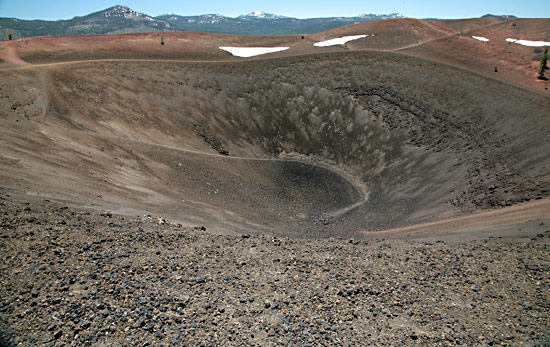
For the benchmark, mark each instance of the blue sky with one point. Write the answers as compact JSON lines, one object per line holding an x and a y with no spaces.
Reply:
{"x":66,"y":9}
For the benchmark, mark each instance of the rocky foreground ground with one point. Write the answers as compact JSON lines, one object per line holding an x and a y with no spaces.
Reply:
{"x":71,"y":277}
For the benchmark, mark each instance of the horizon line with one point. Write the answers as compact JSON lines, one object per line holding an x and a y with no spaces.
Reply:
{"x":269,"y":13}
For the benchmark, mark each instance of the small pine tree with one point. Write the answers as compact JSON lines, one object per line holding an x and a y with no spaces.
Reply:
{"x":162,"y":40}
{"x":543,"y":63}
{"x":496,"y":68}
{"x":10,"y":36}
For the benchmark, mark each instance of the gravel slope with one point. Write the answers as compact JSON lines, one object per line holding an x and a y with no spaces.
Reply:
{"x":72,"y":277}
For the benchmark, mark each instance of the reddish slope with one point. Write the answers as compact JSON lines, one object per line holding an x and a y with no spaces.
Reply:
{"x":388,"y":34}
{"x":513,"y":62}
{"x":464,"y":25}
{"x":177,"y":45}
{"x":9,"y":54}
{"x":449,"y":42}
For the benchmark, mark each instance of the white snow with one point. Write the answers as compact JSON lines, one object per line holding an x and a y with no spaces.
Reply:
{"x":529,"y":43}
{"x":258,"y":14}
{"x":481,"y":38}
{"x":338,"y":41}
{"x":262,"y":15}
{"x":246,"y":52}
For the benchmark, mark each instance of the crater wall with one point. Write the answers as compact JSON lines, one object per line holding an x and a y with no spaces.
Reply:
{"x":280,"y":145}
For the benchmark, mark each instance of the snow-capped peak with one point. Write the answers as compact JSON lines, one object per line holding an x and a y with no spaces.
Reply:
{"x":258,"y":14}
{"x":262,"y":15}
{"x":382,"y":16}
{"x":123,"y":11}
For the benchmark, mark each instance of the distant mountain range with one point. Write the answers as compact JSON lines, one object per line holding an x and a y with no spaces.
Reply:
{"x":504,"y":16}
{"x":123,"y":20}
{"x":114,"y":20}
{"x":260,"y":23}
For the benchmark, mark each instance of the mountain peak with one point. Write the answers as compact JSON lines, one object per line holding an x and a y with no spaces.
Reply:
{"x":505,"y":16}
{"x":123,"y":11}
{"x":121,"y":7}
{"x":382,"y":16}
{"x":120,"y":18}
{"x":118,"y":9}
{"x":262,"y":15}
{"x":258,"y":14}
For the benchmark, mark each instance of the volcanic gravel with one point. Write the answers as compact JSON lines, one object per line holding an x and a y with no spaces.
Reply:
{"x":73,"y":277}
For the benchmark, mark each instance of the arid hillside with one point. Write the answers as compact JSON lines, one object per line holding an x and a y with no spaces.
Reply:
{"x":449,"y":42}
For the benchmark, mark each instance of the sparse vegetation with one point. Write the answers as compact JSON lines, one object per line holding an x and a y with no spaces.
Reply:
{"x":2,"y":47}
{"x":543,"y":63}
{"x":538,"y":54}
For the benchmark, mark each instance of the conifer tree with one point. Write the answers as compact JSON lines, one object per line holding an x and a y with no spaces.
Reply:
{"x":543,"y":63}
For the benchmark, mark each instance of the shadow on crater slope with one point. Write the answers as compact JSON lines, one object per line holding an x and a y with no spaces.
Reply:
{"x":305,"y":146}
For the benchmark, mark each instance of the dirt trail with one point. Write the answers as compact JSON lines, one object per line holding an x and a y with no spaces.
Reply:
{"x":10,"y":55}
{"x":445,"y":30}
{"x":422,"y":43}
{"x":112,"y":60}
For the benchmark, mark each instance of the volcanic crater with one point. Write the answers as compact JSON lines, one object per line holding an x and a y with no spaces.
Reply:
{"x":316,"y":145}
{"x":390,"y":191}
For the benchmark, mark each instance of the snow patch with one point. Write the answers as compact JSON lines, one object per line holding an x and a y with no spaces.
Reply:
{"x":258,"y":14}
{"x":246,"y":52}
{"x":529,"y":43}
{"x":481,"y":38}
{"x":381,"y":16}
{"x":262,"y":15}
{"x":338,"y":41}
